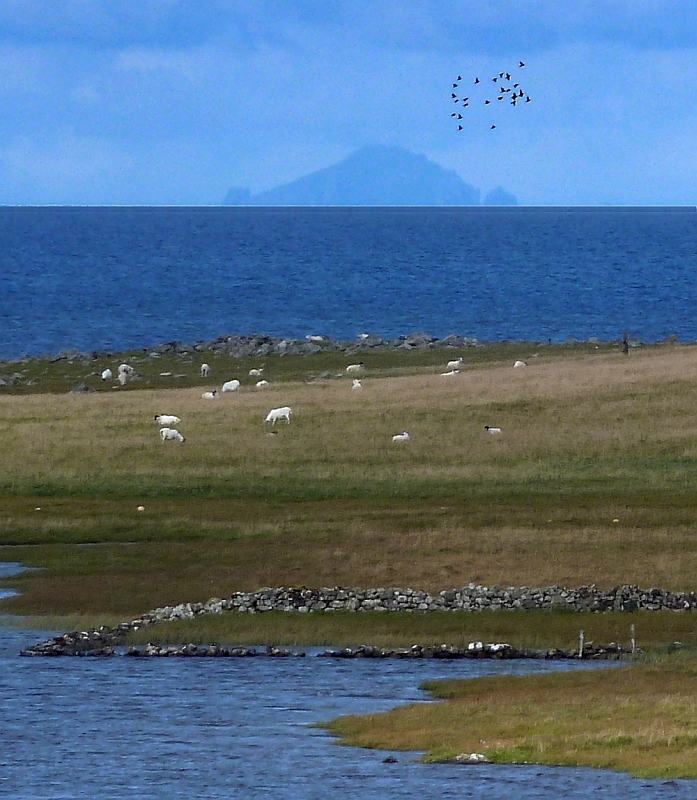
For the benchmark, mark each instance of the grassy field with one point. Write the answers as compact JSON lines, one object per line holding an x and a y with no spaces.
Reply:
{"x":591,"y":481}
{"x":640,"y":719}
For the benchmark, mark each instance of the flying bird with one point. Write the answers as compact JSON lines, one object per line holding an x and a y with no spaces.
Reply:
{"x":459,"y":127}
{"x":476,"y":80}
{"x":521,"y":64}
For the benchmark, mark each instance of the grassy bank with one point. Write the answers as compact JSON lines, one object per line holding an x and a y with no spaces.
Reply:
{"x":591,"y":481}
{"x":640,"y":719}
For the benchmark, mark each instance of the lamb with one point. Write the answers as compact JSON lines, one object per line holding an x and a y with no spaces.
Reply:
{"x":354,"y":368}
{"x":262,"y":384}
{"x":171,"y":435}
{"x":491,"y":430}
{"x":311,"y":338}
{"x":256,"y":373}
{"x":231,"y":386}
{"x":449,"y":374}
{"x":107,"y":375}
{"x":454,"y":365}
{"x":520,"y":364}
{"x":166,"y":420}
{"x":356,"y":385}
{"x":278,"y":413}
{"x":401,"y":437}
{"x":205,"y":370}
{"x":210,"y":395}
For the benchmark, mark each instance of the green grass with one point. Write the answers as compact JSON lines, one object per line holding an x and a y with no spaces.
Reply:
{"x":639,"y":719}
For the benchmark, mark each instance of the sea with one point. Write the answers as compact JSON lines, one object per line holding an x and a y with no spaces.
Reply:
{"x":111,"y":279}
{"x":119,"y":278}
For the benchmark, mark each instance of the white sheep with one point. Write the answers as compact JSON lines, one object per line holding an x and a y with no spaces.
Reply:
{"x":492,"y":431}
{"x":256,"y":373}
{"x":210,"y":395}
{"x":205,"y":370}
{"x":354,"y":368}
{"x":277,"y":414}
{"x":311,"y":338}
{"x":520,"y":364}
{"x":262,"y":384}
{"x":107,"y":375}
{"x":171,"y":435}
{"x":401,"y":437}
{"x":449,"y":374}
{"x":356,"y":385}
{"x":231,"y":386}
{"x":166,"y":420}
{"x":125,"y":373}
{"x":451,"y":365}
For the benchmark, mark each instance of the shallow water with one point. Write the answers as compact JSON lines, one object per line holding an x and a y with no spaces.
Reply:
{"x":222,"y":728}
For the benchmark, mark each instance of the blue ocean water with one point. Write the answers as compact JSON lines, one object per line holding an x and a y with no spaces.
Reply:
{"x":121,"y":278}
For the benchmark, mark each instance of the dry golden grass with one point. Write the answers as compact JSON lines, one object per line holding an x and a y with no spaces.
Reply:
{"x":331,"y":500}
{"x":640,"y":719}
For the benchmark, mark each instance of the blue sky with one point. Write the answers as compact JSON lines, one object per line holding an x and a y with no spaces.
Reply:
{"x":175,"y":101}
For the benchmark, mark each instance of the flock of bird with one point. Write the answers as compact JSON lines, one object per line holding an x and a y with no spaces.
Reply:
{"x":505,"y":86}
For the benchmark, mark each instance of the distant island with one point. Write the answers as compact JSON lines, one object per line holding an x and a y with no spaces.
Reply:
{"x":375,"y":175}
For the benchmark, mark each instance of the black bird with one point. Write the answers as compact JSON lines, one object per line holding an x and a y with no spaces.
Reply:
{"x":521,"y":94}
{"x":508,"y":77}
{"x":521,"y":64}
{"x":452,"y":94}
{"x":492,"y":127}
{"x":500,"y":97}
{"x":513,"y":102}
{"x":486,"y":102}
{"x":459,"y":116}
{"x":516,"y":85}
{"x":527,"y":99}
{"x":494,"y":79}
{"x":454,"y":86}
{"x":459,"y":127}
{"x":476,"y":80}
{"x":500,"y":74}
{"x":456,"y":101}
{"x":459,"y":77}
{"x":465,"y":105}
{"x":453,"y":114}
{"x":465,"y":99}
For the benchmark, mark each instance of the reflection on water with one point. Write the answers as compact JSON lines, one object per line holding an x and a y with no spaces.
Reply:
{"x":214,"y":728}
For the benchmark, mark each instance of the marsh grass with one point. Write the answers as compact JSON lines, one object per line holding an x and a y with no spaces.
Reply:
{"x":640,"y":719}
{"x":330,"y":500}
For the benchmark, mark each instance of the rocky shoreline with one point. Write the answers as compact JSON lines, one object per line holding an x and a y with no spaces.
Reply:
{"x":261,"y":345}
{"x":471,"y":598}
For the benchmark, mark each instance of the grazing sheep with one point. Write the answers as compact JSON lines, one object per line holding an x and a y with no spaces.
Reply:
{"x":231,"y":386}
{"x":125,"y":373}
{"x":256,"y":373}
{"x":210,"y":395}
{"x":452,"y":372}
{"x":278,"y":413}
{"x":401,"y":437}
{"x":262,"y":384}
{"x":171,"y":435}
{"x":107,"y":375}
{"x":363,"y":336}
{"x":311,"y":338}
{"x":205,"y":370}
{"x":520,"y":364}
{"x":354,"y":368}
{"x":166,"y":420}
{"x":356,"y":385}
{"x":454,"y":365}
{"x":491,"y":430}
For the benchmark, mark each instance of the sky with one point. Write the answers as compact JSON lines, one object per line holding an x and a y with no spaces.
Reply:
{"x":176,"y":101}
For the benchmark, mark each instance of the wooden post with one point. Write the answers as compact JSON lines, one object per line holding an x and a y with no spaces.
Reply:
{"x":632,"y":631}
{"x":580,"y":644}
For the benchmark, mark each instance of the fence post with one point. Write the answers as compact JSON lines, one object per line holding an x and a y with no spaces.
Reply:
{"x":632,"y":631}
{"x":580,"y":644}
